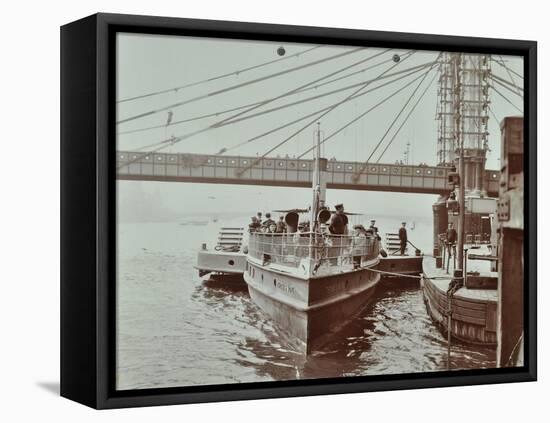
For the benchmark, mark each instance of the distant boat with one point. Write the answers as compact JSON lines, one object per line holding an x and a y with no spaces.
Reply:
{"x":194,"y":223}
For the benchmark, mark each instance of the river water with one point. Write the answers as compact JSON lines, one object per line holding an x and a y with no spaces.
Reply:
{"x":175,"y":329}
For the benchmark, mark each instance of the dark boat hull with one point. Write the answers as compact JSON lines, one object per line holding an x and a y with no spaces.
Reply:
{"x":404,"y":265}
{"x":309,"y":311}
{"x":473,"y":311}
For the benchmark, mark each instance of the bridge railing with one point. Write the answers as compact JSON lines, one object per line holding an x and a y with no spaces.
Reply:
{"x":289,"y":249}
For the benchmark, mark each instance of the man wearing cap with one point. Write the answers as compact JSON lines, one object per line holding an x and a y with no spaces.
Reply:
{"x":374,"y":229}
{"x":373,"y":226}
{"x":451,"y":237}
{"x":268,"y":221}
{"x":338,"y":221}
{"x":402,"y":238}
{"x":254,"y":225}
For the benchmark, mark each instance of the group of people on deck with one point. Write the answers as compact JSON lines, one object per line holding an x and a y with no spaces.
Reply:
{"x":268,"y":225}
{"x":338,"y":225}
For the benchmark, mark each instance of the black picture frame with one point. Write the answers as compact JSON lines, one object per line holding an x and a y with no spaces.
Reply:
{"x":88,"y":210}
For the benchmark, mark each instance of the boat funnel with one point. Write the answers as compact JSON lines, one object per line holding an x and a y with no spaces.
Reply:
{"x":323,"y":216}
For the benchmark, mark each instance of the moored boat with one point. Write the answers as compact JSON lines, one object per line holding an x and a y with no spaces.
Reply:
{"x":312,"y":282}
{"x":227,"y":258}
{"x":394,"y":264}
{"x":469,"y":312}
{"x":462,"y":298}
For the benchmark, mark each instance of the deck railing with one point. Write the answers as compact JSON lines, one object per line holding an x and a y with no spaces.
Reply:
{"x":290,"y":248}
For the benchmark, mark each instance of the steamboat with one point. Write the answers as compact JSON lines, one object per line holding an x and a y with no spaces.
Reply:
{"x":312,"y":282}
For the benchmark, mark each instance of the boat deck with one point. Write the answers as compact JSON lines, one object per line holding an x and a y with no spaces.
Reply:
{"x":440,"y":279}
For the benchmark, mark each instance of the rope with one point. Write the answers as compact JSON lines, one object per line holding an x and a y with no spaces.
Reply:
{"x":214,"y":78}
{"x":403,"y":275}
{"x":520,"y":339}
{"x":240,"y":85}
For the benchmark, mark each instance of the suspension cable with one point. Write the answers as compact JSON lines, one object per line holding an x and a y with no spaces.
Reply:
{"x":408,"y":84}
{"x":397,"y":116}
{"x":331,"y":108}
{"x":218,"y":124}
{"x":407,"y":117}
{"x":173,"y":140}
{"x":494,"y":76}
{"x":506,"y":99}
{"x":504,"y":66}
{"x":240,"y":85}
{"x":414,"y":69}
{"x":508,"y":88}
{"x":326,"y":108}
{"x":192,"y":119}
{"x":231,"y":118}
{"x":215,"y":78}
{"x":493,"y":114}
{"x":509,"y":74}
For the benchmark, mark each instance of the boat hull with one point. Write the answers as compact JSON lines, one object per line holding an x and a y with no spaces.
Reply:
{"x":473,"y":311}
{"x":404,"y":265}
{"x":220,"y":262}
{"x":308,"y":311}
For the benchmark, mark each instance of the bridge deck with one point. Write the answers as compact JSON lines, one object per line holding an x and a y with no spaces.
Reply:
{"x":183,"y":167}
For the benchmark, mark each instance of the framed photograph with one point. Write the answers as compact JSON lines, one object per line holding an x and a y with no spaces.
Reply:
{"x":256,"y":211}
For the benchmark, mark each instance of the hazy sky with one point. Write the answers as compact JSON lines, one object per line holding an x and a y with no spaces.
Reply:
{"x":148,"y":63}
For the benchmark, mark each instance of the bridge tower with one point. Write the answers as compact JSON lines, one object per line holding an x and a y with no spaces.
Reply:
{"x":462,"y":111}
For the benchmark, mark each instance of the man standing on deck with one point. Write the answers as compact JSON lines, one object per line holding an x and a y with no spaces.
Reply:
{"x":338,"y":221}
{"x":402,"y":238}
{"x":337,"y":226}
{"x":451,"y":237}
{"x":254,"y":225}
{"x":374,"y":229}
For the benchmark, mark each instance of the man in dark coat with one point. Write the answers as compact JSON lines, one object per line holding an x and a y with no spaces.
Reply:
{"x":338,"y":221}
{"x":402,"y":238}
{"x":451,"y":237}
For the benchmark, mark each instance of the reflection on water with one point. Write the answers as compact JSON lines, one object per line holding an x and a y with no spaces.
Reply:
{"x":176,"y":330}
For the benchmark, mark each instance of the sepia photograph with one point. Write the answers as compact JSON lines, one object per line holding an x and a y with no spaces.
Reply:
{"x":293,"y":211}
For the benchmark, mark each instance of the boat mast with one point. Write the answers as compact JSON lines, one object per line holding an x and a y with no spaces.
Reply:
{"x":316,"y":183}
